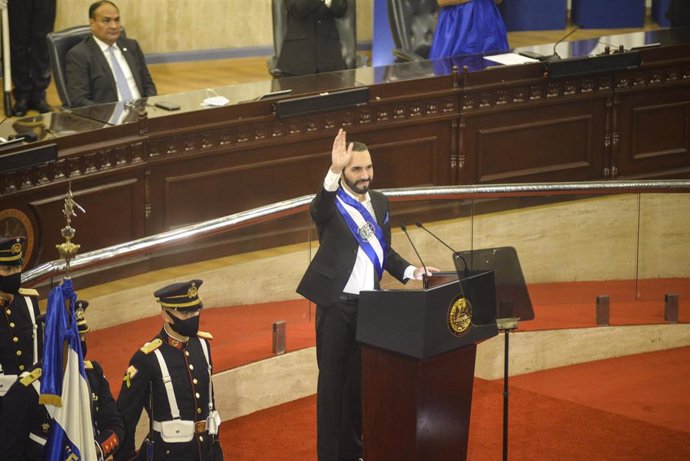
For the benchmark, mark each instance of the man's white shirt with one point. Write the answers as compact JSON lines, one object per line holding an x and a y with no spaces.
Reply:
{"x":131,"y":83}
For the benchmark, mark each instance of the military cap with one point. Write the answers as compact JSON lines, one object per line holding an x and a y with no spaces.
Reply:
{"x":11,"y":253}
{"x":79,"y":310}
{"x":182,"y":295}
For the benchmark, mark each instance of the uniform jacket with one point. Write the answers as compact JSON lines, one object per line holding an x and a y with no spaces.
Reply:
{"x":17,"y":333}
{"x":329,"y":271}
{"x":90,"y":79}
{"x":143,"y":389}
{"x":312,"y":42}
{"x":24,"y":423}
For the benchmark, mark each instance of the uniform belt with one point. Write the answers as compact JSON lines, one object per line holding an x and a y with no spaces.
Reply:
{"x":348,"y":298}
{"x":199,"y":426}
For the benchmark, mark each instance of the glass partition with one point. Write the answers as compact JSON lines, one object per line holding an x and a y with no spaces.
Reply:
{"x":631,"y":248}
{"x":572,"y":248}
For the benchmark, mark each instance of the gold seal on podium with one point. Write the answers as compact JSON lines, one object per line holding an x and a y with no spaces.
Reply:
{"x":460,"y":316}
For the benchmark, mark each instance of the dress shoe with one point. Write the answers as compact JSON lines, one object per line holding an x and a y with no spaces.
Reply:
{"x":20,"y":108}
{"x":41,"y":106}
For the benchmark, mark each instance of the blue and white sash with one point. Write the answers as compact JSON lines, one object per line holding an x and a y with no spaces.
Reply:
{"x":364,"y":228}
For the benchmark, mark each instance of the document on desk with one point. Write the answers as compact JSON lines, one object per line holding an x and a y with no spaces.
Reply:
{"x":509,"y":59}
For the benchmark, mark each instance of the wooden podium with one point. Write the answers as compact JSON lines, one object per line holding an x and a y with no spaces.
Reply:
{"x":418,"y":358}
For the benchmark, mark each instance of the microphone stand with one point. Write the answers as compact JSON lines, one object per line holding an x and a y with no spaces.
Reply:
{"x":456,"y":254}
{"x":425,"y":278}
{"x":506,"y":325}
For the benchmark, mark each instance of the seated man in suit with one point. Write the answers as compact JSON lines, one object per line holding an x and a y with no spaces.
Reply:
{"x":107,"y":67}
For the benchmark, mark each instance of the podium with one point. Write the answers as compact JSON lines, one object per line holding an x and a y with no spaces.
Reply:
{"x":418,"y":357}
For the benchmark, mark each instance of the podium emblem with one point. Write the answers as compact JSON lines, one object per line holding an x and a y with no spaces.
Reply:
{"x":460,"y":316}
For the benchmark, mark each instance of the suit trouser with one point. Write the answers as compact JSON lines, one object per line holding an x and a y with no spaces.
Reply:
{"x":30,"y":22}
{"x":339,"y":391}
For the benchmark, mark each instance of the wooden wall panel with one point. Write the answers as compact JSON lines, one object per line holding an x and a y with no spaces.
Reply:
{"x":201,"y":187}
{"x":559,"y":142}
{"x":654,"y":134}
{"x":114,"y":214}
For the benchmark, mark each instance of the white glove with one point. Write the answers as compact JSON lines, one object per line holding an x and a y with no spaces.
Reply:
{"x":3,"y":4}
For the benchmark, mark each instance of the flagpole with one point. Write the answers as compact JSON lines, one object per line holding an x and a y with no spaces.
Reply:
{"x":64,"y":384}
{"x":68,"y":250}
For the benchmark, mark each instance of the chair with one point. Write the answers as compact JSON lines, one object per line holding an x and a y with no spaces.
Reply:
{"x":59,"y":43}
{"x":347,"y":28}
{"x":595,"y":14}
{"x":533,"y":14}
{"x":412,"y":25}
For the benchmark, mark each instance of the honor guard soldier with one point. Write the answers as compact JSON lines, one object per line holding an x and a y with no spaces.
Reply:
{"x":25,"y":423}
{"x":170,"y":377}
{"x":21,"y":335}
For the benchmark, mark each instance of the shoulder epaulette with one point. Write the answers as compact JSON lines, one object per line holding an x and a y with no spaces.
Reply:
{"x":204,"y":334}
{"x":88,"y":365}
{"x":28,"y":292}
{"x":31,"y":377}
{"x":152,"y":346}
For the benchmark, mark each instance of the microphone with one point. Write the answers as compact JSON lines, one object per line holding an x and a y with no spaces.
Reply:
{"x":555,"y":56}
{"x":424,"y":276}
{"x":71,"y":112}
{"x":456,"y":255}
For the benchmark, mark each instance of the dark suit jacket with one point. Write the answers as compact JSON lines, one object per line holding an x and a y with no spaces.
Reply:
{"x":329,"y":271}
{"x":312,"y":42}
{"x":679,"y":13}
{"x":90,"y":80}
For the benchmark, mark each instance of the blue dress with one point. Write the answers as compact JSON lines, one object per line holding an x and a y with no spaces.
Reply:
{"x":472,"y":27}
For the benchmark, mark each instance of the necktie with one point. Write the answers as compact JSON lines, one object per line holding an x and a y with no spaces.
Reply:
{"x":120,"y":79}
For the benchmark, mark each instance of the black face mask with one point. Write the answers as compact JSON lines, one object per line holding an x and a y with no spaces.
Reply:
{"x":11,"y":283}
{"x":187,"y":327}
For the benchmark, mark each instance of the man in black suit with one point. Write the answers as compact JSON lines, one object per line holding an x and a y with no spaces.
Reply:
{"x":355,"y":248}
{"x":30,"y":22}
{"x":107,"y":67}
{"x":312,"y":42}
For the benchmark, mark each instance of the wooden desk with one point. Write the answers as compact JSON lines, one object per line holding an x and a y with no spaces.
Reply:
{"x":425,"y":123}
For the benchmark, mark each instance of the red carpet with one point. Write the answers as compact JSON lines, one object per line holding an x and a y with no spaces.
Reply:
{"x":632,"y":408}
{"x":243,"y":334}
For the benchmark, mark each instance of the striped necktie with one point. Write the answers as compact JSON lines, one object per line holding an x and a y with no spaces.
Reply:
{"x":120,"y":79}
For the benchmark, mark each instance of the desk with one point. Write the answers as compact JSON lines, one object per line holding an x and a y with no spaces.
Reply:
{"x":452,"y":121}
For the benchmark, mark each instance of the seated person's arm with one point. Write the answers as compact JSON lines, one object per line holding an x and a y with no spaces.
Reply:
{"x":78,"y":80}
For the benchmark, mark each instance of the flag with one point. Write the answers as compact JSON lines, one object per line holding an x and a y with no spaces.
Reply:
{"x":64,"y":386}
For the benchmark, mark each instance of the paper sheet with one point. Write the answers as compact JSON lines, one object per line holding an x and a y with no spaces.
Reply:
{"x":510,"y":59}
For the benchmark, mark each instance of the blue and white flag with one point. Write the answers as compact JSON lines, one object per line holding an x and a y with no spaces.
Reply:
{"x":64,"y":386}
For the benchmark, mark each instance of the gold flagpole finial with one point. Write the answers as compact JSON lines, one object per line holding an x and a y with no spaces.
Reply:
{"x":69,"y":249}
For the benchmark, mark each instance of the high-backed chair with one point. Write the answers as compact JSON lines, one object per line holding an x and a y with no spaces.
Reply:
{"x":347,"y":28}
{"x":412,"y":25}
{"x":59,"y":43}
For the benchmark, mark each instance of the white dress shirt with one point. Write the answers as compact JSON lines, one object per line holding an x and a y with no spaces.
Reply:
{"x":123,"y":65}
